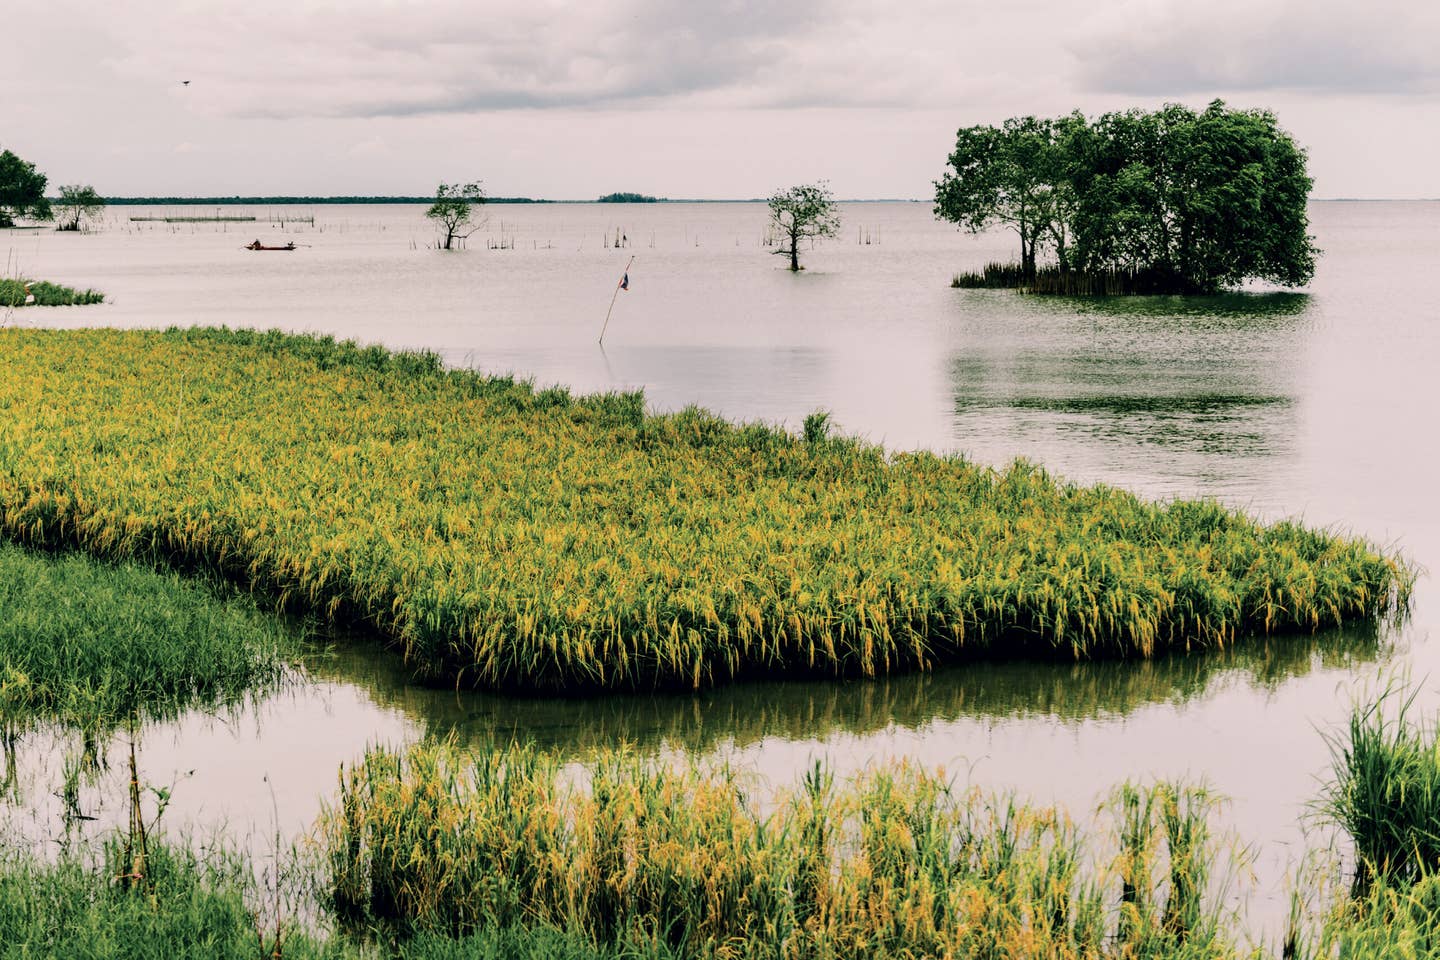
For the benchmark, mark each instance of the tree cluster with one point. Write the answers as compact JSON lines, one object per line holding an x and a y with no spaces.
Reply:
{"x":625,"y":197}
{"x":22,"y":190}
{"x":1200,"y":200}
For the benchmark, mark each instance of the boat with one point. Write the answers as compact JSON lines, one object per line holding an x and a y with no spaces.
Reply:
{"x":257,"y":245}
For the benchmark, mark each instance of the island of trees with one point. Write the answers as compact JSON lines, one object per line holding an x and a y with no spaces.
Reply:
{"x":1137,"y":201}
{"x":627,"y":198}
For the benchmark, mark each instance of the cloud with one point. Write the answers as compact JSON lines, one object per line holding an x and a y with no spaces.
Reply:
{"x":279,"y":58}
{"x":1174,"y":47}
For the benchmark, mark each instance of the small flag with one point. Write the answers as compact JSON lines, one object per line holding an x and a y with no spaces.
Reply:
{"x":625,"y":281}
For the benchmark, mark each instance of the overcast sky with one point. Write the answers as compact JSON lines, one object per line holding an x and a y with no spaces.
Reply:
{"x":706,"y":98}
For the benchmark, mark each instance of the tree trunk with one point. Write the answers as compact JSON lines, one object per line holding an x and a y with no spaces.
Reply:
{"x":794,"y":255}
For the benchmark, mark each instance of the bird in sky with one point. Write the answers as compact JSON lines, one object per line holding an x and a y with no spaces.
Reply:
{"x":184,"y":83}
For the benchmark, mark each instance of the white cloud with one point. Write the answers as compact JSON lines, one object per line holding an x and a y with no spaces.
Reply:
{"x":1176,"y":47}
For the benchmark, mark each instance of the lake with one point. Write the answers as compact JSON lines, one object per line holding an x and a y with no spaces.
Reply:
{"x":1317,"y":405}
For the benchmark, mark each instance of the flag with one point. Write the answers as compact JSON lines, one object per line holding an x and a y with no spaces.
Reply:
{"x":625,"y":281}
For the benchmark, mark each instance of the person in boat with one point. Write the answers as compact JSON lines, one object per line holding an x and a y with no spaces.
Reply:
{"x":254,"y":246}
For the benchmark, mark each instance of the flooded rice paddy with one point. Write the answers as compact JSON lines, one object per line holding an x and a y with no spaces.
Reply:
{"x":1317,"y":405}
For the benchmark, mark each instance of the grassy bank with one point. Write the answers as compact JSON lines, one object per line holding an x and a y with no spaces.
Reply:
{"x":90,"y":645}
{"x":13,"y":292}
{"x":523,"y":539}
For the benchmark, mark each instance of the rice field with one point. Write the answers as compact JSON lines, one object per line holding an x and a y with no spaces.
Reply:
{"x":523,"y":539}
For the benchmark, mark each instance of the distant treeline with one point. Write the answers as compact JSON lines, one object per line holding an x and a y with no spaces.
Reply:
{"x":213,"y":201}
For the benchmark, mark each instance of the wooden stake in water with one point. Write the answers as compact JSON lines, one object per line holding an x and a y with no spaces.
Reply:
{"x":613,"y":298}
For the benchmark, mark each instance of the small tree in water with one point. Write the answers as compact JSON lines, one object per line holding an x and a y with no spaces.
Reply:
{"x":452,"y":210}
{"x":800,"y":212}
{"x":77,"y":205}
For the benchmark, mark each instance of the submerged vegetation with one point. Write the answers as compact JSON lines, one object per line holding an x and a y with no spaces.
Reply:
{"x":525,"y":539}
{"x":92,"y":646}
{"x":14,"y":293}
{"x":1070,"y":283}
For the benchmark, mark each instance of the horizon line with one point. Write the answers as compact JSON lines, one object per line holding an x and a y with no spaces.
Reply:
{"x":358,"y":199}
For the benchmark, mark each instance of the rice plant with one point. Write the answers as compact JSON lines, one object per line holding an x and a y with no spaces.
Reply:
{"x":649,"y":856}
{"x":1385,"y":791}
{"x":524,"y":539}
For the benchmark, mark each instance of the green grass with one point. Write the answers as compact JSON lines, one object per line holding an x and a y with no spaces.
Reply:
{"x":518,"y":539}
{"x":90,"y":645}
{"x":207,"y":907}
{"x":12,"y":294}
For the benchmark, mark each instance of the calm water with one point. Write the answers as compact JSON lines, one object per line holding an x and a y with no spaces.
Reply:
{"x":1317,"y":405}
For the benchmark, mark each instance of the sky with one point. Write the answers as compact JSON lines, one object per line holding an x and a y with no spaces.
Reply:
{"x":704,"y":99}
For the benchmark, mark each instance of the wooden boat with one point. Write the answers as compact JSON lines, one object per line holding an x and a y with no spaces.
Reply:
{"x":257,"y":245}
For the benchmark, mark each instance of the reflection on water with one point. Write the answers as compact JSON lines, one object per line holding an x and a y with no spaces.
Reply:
{"x":223,"y":764}
{"x":1204,"y":404}
{"x":749,"y":713}
{"x":1252,"y":310}
{"x":1204,"y":389}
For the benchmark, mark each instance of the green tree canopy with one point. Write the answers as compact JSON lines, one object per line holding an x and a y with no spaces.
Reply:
{"x":22,"y":190}
{"x":800,"y":212}
{"x":1203,"y":200}
{"x":453,"y":210}
{"x":1015,"y":175}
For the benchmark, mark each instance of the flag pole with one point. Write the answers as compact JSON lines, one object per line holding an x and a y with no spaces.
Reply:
{"x":613,"y":298}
